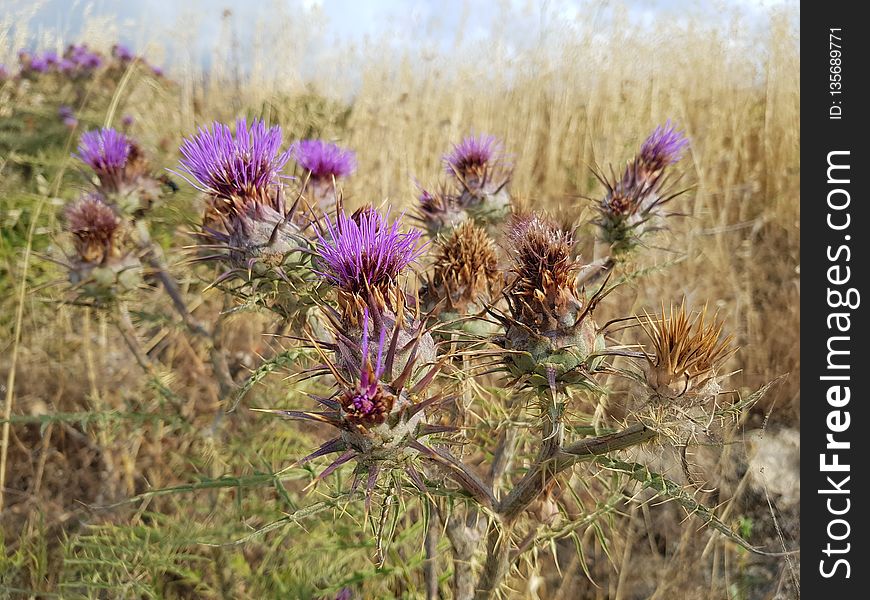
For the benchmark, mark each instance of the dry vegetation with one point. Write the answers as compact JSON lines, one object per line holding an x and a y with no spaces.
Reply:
{"x":89,"y":430}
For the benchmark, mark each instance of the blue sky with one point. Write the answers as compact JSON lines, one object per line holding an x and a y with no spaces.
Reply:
{"x":429,"y":23}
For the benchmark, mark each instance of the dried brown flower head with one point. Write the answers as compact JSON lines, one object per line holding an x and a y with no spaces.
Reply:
{"x":95,"y":228}
{"x":542,"y":294}
{"x":465,"y":270}
{"x":687,"y":353}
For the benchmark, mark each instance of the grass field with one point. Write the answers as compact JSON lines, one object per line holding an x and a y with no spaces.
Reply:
{"x":124,"y":484}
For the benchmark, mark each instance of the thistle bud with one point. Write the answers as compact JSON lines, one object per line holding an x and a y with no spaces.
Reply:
{"x":439,"y":211}
{"x":362,"y":257}
{"x":687,"y":355}
{"x":479,"y":166}
{"x":380,"y":418}
{"x":550,"y":331}
{"x":123,"y":172}
{"x":101,"y":269}
{"x":324,"y":164}
{"x":633,"y":205}
{"x":466,"y":277}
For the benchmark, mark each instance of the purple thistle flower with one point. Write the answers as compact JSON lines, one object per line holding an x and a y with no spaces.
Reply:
{"x":365,"y":252}
{"x":39,"y":65}
{"x":323,"y":159}
{"x":230,"y":167}
{"x":51,"y":58}
{"x":67,"y":115}
{"x":66,"y":65}
{"x":104,"y":150}
{"x":122,"y":53}
{"x":472,"y":154}
{"x":663,"y":147}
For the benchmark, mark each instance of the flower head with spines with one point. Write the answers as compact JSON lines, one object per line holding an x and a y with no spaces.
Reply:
{"x":380,"y":417}
{"x":101,"y":268}
{"x":549,"y":334}
{"x":633,"y":204}
{"x":95,"y":228}
{"x":247,"y":217}
{"x":123,"y":172}
{"x":235,"y":167}
{"x":324,"y":164}
{"x":363,"y":256}
{"x":106,"y":151}
{"x":466,"y":276}
{"x":479,"y":166}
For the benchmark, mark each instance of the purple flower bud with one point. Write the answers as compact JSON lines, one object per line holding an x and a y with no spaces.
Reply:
{"x":244,"y":166}
{"x":472,"y":155}
{"x":663,"y":147}
{"x":127,"y":121}
{"x":4,"y":73}
{"x":323,"y":159}
{"x":105,"y":151}
{"x":51,"y":58}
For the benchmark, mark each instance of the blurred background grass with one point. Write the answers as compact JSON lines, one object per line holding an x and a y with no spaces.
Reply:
{"x":564,"y":92}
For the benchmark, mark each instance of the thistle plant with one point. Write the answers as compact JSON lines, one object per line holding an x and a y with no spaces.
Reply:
{"x":102,"y":268}
{"x":479,"y":176}
{"x":496,"y":310}
{"x":248,"y":223}
{"x":633,"y":205}
{"x":323,"y":164}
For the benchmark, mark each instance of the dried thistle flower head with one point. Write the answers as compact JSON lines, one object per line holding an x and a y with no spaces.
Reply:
{"x":633,"y":204}
{"x":95,"y":228}
{"x":479,"y":165}
{"x":466,"y":275}
{"x":363,"y":256}
{"x":542,"y":294}
{"x":687,"y":354}
{"x":550,"y":334}
{"x":325,"y":163}
{"x":101,"y":270}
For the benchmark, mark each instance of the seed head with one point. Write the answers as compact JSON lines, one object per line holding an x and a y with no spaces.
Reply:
{"x":465,"y":269}
{"x":687,"y":353}
{"x":95,"y":228}
{"x":542,"y":294}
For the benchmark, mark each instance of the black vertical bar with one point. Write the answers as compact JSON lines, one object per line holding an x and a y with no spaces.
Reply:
{"x":835,"y":430}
